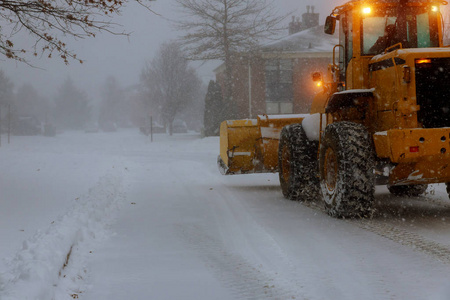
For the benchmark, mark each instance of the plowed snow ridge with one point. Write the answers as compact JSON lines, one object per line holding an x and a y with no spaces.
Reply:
{"x":50,"y":264}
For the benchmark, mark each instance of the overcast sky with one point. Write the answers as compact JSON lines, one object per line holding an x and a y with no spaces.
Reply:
{"x":124,"y":57}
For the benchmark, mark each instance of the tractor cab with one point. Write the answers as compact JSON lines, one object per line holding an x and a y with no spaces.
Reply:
{"x":393,"y":51}
{"x":371,"y":29}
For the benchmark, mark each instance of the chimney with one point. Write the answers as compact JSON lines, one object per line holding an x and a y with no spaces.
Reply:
{"x":295,"y":25}
{"x":310,"y":19}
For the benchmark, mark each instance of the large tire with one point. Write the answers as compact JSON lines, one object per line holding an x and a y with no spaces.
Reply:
{"x":346,"y":164}
{"x":408,"y":190}
{"x":297,"y":164}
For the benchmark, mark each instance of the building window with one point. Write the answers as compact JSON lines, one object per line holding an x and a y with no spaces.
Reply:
{"x":279,"y":94}
{"x":279,"y":108}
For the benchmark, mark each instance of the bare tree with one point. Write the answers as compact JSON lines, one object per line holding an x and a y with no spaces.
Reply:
{"x":218,"y":29}
{"x":171,"y":85}
{"x":50,"y":21}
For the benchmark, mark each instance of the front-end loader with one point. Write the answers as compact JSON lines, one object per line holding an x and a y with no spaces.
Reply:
{"x":383,"y":116}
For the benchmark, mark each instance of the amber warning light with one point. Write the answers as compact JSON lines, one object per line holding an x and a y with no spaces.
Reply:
{"x":423,"y":61}
{"x":367,"y":10}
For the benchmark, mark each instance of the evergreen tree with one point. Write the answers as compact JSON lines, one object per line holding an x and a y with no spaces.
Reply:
{"x":113,"y":97}
{"x":6,"y":89}
{"x":6,"y":99}
{"x":28,"y":102}
{"x":214,"y":109}
{"x":72,"y":108}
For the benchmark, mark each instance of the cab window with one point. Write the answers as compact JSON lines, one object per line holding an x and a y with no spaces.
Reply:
{"x":416,"y":27}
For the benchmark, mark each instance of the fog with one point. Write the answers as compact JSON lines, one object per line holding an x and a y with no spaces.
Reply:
{"x":115,"y":214}
{"x":123,"y":56}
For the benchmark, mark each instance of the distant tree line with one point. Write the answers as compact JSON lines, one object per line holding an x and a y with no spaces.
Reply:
{"x":71,"y":108}
{"x":169,"y":90}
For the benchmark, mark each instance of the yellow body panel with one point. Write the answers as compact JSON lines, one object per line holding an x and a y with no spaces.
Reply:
{"x":431,"y":169}
{"x":420,"y":155}
{"x":319,"y":103}
{"x":396,"y":144}
{"x":251,"y":146}
{"x":237,"y":145}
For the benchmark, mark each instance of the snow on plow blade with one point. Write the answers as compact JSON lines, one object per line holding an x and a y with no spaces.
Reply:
{"x":251,"y":146}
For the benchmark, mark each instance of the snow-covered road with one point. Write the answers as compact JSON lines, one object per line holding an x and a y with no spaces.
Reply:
{"x":113,"y":216}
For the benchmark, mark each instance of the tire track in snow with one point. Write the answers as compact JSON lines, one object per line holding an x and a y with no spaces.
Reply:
{"x":245,"y":280}
{"x":394,"y":233}
{"x":378,"y":285}
{"x":404,"y":237}
{"x":407,"y":238}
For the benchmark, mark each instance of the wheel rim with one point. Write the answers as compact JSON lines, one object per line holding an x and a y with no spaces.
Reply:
{"x":285,"y":163}
{"x":330,"y":170}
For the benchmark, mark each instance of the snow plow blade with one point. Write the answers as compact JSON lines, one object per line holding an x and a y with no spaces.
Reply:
{"x":251,"y":146}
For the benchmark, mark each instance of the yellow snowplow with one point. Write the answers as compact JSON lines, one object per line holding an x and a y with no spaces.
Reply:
{"x":383,"y":116}
{"x":251,"y":146}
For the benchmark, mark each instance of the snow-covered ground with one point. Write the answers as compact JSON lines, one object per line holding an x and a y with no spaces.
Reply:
{"x":113,"y":216}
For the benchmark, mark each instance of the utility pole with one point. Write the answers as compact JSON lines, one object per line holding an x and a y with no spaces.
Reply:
{"x":151,"y":129}
{"x":9,"y":122}
{"x":0,"y":126}
{"x":249,"y":88}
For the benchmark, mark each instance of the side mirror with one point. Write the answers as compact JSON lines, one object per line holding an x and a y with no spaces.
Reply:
{"x":330,"y":25}
{"x":317,"y":76}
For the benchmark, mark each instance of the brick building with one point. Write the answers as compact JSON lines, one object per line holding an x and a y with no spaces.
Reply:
{"x":277,"y":78}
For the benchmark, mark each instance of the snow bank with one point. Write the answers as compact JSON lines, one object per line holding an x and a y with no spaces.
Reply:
{"x":50,"y":264}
